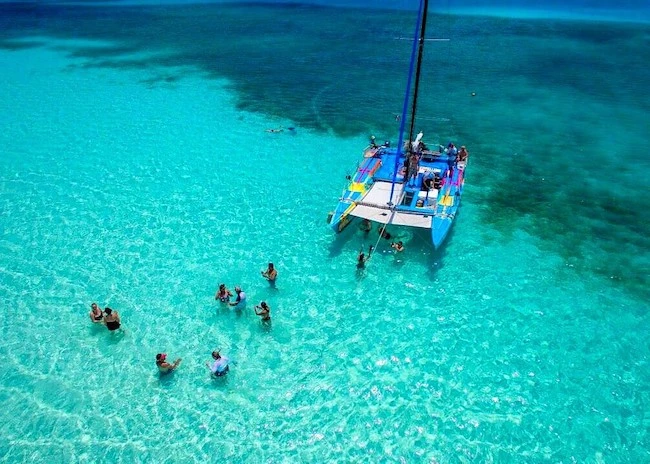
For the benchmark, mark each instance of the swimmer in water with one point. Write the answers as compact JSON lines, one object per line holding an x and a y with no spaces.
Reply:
{"x":240,"y":301}
{"x":399,"y":247}
{"x":112,"y":319}
{"x":163,"y":366}
{"x":264,"y":311}
{"x":280,"y":129}
{"x":96,"y":314}
{"x":223,"y":294}
{"x":270,"y":274}
{"x":362,"y":258}
{"x":219,"y":366}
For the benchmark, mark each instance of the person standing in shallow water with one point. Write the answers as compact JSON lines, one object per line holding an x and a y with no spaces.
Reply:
{"x":362,"y":258}
{"x":223,"y":294}
{"x":163,"y":366}
{"x":112,"y":319}
{"x":270,"y":274}
{"x":96,"y":314}
{"x":264,"y":311}
{"x":399,"y":246}
{"x":240,"y":301}
{"x":219,"y":366}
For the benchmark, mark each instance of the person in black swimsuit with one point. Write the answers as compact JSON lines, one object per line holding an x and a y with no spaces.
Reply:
{"x":111,"y":319}
{"x":96,"y":314}
{"x":384,"y":233}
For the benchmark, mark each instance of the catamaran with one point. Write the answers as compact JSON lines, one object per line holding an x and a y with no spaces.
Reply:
{"x":411,"y":184}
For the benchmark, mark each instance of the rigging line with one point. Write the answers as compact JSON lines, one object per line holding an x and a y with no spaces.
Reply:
{"x":381,"y":235}
{"x":370,"y":253}
{"x":426,"y":40}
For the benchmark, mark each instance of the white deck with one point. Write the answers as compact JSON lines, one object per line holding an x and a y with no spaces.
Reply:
{"x":374,"y":207}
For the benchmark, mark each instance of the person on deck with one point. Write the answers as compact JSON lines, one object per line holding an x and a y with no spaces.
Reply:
{"x":427,"y":183}
{"x":452,"y":153}
{"x":463,"y":154}
{"x":399,"y":247}
{"x":413,"y":168}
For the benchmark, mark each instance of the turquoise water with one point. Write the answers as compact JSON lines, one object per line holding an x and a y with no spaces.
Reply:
{"x":136,"y":172}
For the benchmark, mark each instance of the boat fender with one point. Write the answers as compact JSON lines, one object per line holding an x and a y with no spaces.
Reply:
{"x":329,"y":216}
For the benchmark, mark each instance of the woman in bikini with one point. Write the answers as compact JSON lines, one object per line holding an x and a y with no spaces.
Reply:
{"x":96,"y":314}
{"x":223,"y":294}
{"x":264,"y":311}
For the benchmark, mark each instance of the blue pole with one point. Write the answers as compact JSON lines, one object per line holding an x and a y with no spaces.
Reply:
{"x":400,"y":141}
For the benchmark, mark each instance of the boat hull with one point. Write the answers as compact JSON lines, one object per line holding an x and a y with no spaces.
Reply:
{"x":355,"y":192}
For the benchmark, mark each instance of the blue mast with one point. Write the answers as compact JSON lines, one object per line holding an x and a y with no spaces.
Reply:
{"x":418,"y":44}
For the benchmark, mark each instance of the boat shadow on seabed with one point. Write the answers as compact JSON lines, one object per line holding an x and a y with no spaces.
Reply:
{"x":337,"y":245}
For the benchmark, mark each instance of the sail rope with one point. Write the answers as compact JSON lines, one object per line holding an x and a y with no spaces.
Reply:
{"x":381,"y":235}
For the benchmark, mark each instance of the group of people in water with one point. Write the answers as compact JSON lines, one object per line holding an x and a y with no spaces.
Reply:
{"x":366,"y":227}
{"x":106,"y":316}
{"x":220,"y":364}
{"x":218,"y":367}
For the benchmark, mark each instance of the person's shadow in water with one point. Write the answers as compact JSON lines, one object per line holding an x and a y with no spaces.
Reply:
{"x":166,"y":380}
{"x":265,"y":327}
{"x":116,"y":336}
